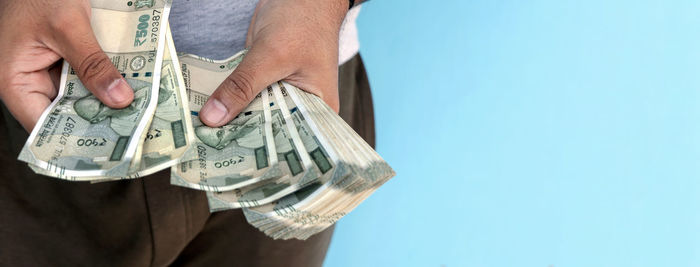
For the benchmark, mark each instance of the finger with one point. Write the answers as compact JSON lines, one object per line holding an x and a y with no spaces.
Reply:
{"x":322,"y":82}
{"x":78,"y":45}
{"x":262,"y":66}
{"x":28,"y":98}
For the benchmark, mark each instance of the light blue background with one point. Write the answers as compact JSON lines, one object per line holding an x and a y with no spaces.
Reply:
{"x":531,"y":133}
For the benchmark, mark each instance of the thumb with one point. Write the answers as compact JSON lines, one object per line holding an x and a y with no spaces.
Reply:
{"x":78,"y":45}
{"x":257,"y":70}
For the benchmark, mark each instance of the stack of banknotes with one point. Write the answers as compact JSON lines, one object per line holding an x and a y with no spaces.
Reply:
{"x":288,"y":160}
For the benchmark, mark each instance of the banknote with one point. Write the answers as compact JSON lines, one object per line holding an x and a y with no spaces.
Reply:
{"x":305,"y":212}
{"x":292,"y":209}
{"x":295,"y":163}
{"x":77,"y":135}
{"x":316,"y":207}
{"x":318,"y":155}
{"x":235,"y":155}
{"x":170,"y":135}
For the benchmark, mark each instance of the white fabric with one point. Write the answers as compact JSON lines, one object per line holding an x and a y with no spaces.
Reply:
{"x":349,"y":39}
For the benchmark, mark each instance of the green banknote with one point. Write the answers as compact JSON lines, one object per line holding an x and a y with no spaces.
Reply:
{"x":295,"y":210}
{"x":235,"y":155}
{"x":322,"y":164}
{"x":170,"y":135}
{"x":78,"y":136}
{"x":338,"y":191}
{"x":295,"y":163}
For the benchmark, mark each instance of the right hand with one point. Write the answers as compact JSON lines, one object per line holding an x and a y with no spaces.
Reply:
{"x":34,"y":36}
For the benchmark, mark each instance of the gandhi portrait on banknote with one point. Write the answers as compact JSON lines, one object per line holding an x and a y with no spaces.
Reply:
{"x":221,"y":137}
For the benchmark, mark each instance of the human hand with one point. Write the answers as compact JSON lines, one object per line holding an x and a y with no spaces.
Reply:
{"x":295,"y":41}
{"x":36,"y":34}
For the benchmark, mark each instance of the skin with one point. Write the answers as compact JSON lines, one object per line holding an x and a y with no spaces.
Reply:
{"x":36,"y":34}
{"x":295,"y":41}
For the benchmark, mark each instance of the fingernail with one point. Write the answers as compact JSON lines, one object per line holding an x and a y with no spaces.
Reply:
{"x":118,"y":91}
{"x":214,"y":111}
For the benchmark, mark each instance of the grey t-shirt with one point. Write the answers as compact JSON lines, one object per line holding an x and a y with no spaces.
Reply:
{"x":217,"y":29}
{"x":214,"y":29}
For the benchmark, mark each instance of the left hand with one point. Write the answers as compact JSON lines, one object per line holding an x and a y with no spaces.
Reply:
{"x":295,"y":41}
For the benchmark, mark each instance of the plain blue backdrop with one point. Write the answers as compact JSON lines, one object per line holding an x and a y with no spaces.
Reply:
{"x":531,"y":133}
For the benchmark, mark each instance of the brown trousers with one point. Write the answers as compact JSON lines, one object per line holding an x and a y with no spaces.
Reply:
{"x":145,"y":222}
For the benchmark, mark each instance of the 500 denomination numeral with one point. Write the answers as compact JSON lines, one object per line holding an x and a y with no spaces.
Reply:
{"x":141,"y":30}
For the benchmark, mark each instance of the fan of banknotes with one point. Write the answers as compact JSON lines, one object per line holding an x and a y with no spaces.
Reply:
{"x":288,"y":160}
